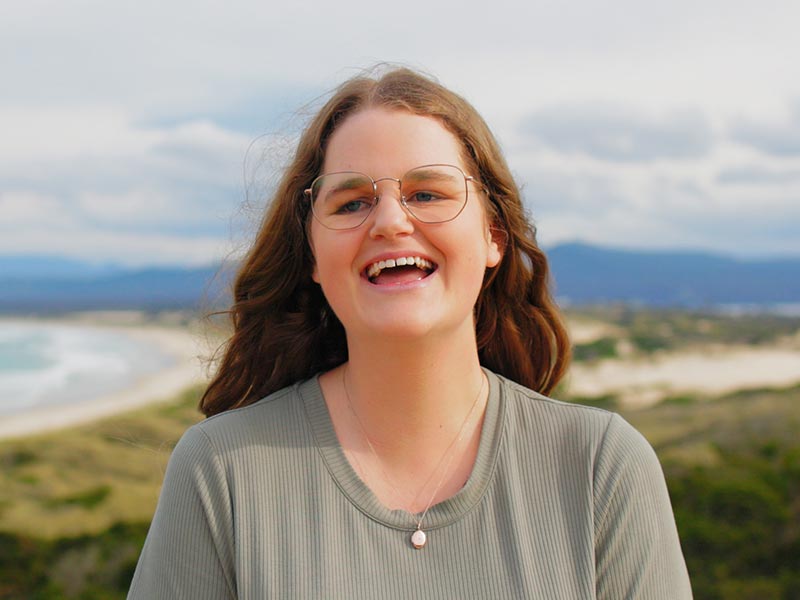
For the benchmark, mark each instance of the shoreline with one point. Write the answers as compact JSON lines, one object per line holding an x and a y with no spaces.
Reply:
{"x":182,"y":345}
{"x":638,"y":382}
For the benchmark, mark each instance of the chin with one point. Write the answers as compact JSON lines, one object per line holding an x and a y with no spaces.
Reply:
{"x":402,"y":329}
{"x":410,"y":327}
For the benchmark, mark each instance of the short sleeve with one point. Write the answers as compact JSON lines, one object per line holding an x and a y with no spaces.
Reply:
{"x":189,"y":549}
{"x":637,"y":550}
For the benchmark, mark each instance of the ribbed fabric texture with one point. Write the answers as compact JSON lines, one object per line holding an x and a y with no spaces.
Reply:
{"x":564,"y":501}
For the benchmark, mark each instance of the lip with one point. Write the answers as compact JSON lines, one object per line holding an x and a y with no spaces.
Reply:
{"x":394,"y":256}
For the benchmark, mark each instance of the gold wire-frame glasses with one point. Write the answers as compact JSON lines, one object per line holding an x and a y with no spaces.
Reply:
{"x":434,"y":193}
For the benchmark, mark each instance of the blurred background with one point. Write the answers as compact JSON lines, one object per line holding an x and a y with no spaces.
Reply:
{"x":658,"y":148}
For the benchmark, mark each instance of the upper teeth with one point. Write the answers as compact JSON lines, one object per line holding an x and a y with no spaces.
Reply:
{"x":375,"y":268}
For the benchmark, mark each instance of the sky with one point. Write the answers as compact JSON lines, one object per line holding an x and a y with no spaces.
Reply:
{"x":149,"y":133}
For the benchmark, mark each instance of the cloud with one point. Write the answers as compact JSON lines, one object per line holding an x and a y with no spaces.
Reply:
{"x":756,"y":175}
{"x":614,"y":134}
{"x":647,"y":205}
{"x":560,"y":191}
{"x":45,"y":225}
{"x":64,"y":133}
{"x":102,"y":246}
{"x":778,"y":138}
{"x":99,"y":167}
{"x":100,"y":134}
{"x":23,"y":208}
{"x":741,"y":232}
{"x":133,"y":208}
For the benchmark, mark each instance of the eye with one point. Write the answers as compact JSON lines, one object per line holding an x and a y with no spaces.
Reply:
{"x":424,"y":197}
{"x":354,"y":206}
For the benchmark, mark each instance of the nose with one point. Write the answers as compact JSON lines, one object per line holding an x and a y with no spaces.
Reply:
{"x":389,"y":217}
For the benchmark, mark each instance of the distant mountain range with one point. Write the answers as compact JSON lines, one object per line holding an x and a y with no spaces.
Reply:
{"x":57,"y":285}
{"x":592,"y":275}
{"x":583,"y":274}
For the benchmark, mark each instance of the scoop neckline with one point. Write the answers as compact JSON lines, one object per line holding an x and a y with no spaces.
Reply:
{"x":361,"y":496}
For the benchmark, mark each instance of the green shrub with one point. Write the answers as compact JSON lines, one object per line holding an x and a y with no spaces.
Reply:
{"x":605,"y":401}
{"x":740,"y":537}
{"x":604,"y":347}
{"x":88,"y":499}
{"x":82,"y":568}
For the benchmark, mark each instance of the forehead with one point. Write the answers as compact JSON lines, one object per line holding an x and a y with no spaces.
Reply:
{"x":386,"y":143}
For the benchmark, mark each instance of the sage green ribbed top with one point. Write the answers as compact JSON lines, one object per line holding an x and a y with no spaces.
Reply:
{"x":564,"y":501}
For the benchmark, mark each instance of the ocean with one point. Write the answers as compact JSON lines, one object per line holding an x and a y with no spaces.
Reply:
{"x":47,"y":363}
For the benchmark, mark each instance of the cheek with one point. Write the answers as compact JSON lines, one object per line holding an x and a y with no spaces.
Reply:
{"x":333,"y":254}
{"x":321,"y":274}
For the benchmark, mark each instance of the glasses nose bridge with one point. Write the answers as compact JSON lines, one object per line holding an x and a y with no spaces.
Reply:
{"x":401,"y":199}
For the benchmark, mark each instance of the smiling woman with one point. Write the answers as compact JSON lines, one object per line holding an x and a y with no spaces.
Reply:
{"x":378,"y":428}
{"x":454,"y":238}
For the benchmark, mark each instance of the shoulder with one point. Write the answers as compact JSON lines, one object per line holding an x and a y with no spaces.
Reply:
{"x":594,"y":441}
{"x":528,"y":411}
{"x":617,"y":460}
{"x":275,"y":419}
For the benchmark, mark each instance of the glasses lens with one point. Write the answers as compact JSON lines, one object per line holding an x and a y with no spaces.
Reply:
{"x":435,"y":193}
{"x":342,"y":200}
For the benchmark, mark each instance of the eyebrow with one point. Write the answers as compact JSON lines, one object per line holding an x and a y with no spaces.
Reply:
{"x":428,"y":175}
{"x":351,"y":183}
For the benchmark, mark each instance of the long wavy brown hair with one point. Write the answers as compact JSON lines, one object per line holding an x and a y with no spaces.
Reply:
{"x":284,"y":330}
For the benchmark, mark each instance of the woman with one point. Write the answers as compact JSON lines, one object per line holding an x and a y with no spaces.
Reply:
{"x":390,"y":324}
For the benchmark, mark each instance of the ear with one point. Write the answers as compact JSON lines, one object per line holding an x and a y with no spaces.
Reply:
{"x":495,"y":244}
{"x":314,"y":273}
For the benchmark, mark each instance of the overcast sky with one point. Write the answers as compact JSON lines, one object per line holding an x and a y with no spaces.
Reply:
{"x":125,"y":126}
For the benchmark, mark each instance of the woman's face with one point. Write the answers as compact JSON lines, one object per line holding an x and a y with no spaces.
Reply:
{"x":437,"y":291}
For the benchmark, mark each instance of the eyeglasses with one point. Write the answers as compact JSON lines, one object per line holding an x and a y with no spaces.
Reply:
{"x":430,"y":193}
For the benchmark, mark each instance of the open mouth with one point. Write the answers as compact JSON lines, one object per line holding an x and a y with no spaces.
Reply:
{"x":399,"y":270}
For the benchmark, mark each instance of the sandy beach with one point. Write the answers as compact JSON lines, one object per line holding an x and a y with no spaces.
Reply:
{"x":641,"y":382}
{"x":185,"y":348}
{"x":638,"y":382}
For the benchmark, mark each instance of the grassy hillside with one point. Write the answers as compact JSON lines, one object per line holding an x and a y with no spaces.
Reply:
{"x":75,"y":505}
{"x":733,"y":469}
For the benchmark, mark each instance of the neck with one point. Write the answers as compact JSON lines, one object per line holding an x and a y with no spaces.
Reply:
{"x":406,"y":392}
{"x":409,"y":416}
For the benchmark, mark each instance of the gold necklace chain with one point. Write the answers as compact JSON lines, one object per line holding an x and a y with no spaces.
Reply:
{"x":419,"y":537}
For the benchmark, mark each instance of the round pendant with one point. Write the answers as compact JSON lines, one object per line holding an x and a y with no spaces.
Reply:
{"x":418,"y":539}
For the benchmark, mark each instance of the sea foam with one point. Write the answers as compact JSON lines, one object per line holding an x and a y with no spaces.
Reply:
{"x":45,"y":363}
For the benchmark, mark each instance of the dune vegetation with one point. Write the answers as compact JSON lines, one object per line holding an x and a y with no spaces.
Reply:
{"x":75,"y":504}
